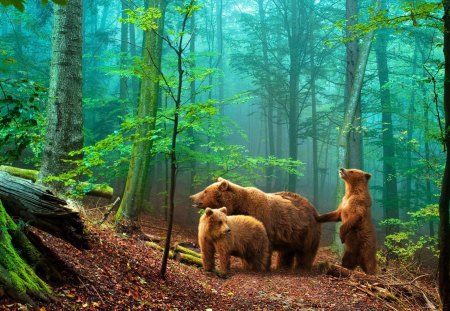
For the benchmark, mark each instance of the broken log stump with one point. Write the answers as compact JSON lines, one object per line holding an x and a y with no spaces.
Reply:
{"x":37,"y":206}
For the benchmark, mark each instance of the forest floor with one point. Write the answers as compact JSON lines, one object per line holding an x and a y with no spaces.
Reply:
{"x":120,"y":272}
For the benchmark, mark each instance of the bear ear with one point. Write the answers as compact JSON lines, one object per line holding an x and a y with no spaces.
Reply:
{"x":223,"y":210}
{"x":367,"y":176}
{"x":224,"y":185}
{"x":208,"y":211}
{"x":220,"y":179}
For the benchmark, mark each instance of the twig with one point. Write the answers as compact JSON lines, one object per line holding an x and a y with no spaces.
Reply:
{"x":105,"y":216}
{"x":408,"y":283}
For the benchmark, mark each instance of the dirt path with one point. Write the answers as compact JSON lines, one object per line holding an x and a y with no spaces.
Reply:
{"x":121,"y":273}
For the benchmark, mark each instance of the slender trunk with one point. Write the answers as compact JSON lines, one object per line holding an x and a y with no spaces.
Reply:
{"x":444,"y":226}
{"x":294,"y":77}
{"x":390,"y":194}
{"x":123,"y":53}
{"x":267,"y":94}
{"x":354,"y":152}
{"x":133,"y":53}
{"x":64,"y":109}
{"x":173,"y":153}
{"x":192,"y":86}
{"x":220,"y":50}
{"x":315,"y":155}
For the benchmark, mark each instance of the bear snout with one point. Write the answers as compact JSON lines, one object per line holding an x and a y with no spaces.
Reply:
{"x":195,"y":201}
{"x":227,"y":230}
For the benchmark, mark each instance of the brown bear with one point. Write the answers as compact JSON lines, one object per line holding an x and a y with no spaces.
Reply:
{"x":357,"y":231}
{"x":291,"y":226}
{"x":241,"y":236}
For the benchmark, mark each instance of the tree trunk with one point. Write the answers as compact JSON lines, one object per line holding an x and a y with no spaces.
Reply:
{"x":444,"y":226}
{"x":313,"y":73}
{"x":220,"y":50}
{"x":65,"y":112}
{"x":354,"y":152}
{"x":294,"y":76}
{"x":123,"y":88}
{"x":390,"y":195}
{"x":267,"y":81}
{"x":134,"y":193}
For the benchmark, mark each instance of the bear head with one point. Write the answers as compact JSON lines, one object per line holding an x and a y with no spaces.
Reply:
{"x":216,"y":195}
{"x":216,"y":220}
{"x":354,"y":176}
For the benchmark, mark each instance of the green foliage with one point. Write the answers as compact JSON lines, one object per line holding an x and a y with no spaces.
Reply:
{"x":410,"y":239}
{"x":144,"y":18}
{"x":398,"y":17}
{"x":21,"y":117}
{"x":20,"y":4}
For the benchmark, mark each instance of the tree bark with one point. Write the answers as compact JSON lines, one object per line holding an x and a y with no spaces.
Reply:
{"x":38,"y":207}
{"x":294,"y":77}
{"x":65,"y":111}
{"x":354,"y":152}
{"x":390,"y":194}
{"x":134,"y":193}
{"x":444,"y":226}
{"x":123,"y":87}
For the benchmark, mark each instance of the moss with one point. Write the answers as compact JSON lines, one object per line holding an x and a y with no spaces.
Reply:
{"x":16,"y":276}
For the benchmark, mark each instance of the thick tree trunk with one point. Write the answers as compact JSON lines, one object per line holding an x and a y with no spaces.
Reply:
{"x":444,"y":201}
{"x":65,"y":112}
{"x":134,"y":193}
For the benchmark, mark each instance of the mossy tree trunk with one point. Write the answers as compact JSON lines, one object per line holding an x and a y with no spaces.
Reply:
{"x":64,"y":108}
{"x":17,"y":255}
{"x":136,"y":184}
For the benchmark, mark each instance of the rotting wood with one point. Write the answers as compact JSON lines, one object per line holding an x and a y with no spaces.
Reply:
{"x":36,"y":205}
{"x":98,"y":190}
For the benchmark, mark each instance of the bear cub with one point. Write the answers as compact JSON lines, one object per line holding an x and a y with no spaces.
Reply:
{"x":241,"y":236}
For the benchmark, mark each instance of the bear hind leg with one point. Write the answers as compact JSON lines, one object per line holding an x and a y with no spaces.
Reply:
{"x":285,"y":259}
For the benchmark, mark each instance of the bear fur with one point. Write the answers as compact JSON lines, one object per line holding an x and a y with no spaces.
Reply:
{"x":290,"y":220}
{"x":357,"y":231}
{"x":241,"y":236}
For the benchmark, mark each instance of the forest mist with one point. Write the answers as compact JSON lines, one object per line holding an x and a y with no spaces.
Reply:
{"x":273,"y":83}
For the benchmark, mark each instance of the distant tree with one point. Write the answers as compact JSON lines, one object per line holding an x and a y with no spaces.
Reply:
{"x":390,"y":194}
{"x":64,"y":108}
{"x":354,"y":152}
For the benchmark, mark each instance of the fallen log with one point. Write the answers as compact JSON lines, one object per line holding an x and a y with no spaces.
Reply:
{"x":98,"y":190}
{"x":187,"y":251}
{"x":36,"y":205}
{"x":180,"y":254}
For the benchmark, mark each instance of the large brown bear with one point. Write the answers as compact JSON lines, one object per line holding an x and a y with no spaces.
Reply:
{"x":241,"y":236}
{"x":357,"y":231}
{"x":290,"y":222}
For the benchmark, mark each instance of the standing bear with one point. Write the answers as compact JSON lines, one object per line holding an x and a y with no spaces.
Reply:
{"x":357,"y":231}
{"x":290,"y":222}
{"x":240,"y":236}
